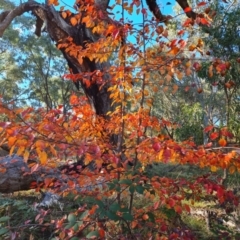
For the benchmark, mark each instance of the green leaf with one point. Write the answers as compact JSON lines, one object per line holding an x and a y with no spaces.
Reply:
{"x":124,"y":209}
{"x":115,"y":207}
{"x":76,"y":227}
{"x":84,"y":214}
{"x":127,"y":216}
{"x":140,"y":189}
{"x":99,"y":203}
{"x":132,"y":189}
{"x":126,"y":181}
{"x":118,"y":188}
{"x":93,"y":234}
{"x":151,"y":216}
{"x":72,"y":218}
{"x":112,"y":216}
{"x":4,"y":219}
{"x":69,"y":225}
{"x":74,"y":238}
{"x":111,"y":186}
{"x":3,"y":231}
{"x":115,"y":181}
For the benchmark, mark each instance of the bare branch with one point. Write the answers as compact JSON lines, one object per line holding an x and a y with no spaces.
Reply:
{"x":7,"y":17}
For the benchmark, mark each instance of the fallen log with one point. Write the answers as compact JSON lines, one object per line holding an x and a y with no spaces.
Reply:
{"x":17,"y":175}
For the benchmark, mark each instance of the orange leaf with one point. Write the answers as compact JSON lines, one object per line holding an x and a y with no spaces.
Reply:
{"x":232,"y":169}
{"x":222,"y":142}
{"x":73,"y":21}
{"x":42,"y":157}
{"x":64,"y":15}
{"x":2,"y":170}
{"x":40,"y":144}
{"x":145,"y":217}
{"x":11,"y":141}
{"x":48,"y":182}
{"x":134,"y":224}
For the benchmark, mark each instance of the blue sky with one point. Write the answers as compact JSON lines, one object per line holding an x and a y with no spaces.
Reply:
{"x":166,"y":8}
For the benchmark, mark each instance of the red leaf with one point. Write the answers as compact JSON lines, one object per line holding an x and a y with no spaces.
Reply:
{"x":101,"y":233}
{"x":208,"y":128}
{"x":173,"y":43}
{"x":144,"y":11}
{"x":171,"y":202}
{"x":214,"y":135}
{"x":187,"y":208}
{"x":156,"y":146}
{"x":178,"y":209}
{"x":187,"y":22}
{"x":187,"y":9}
{"x":204,"y":21}
{"x":201,"y":4}
{"x":156,"y":204}
{"x":224,"y":132}
{"x":180,"y":32}
{"x":115,"y":33}
{"x":34,"y":168}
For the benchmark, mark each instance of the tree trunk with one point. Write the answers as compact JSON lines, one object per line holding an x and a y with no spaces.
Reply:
{"x":60,"y":31}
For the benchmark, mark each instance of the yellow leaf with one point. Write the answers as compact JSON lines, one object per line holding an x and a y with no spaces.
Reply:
{"x":213,"y":168}
{"x":26,"y":155}
{"x":11,"y":150}
{"x":20,"y":150}
{"x":42,"y":157}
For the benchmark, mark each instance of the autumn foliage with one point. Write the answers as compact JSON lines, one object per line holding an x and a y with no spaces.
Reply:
{"x":117,"y":148}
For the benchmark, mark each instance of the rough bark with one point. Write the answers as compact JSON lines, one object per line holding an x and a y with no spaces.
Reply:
{"x":16,"y":175}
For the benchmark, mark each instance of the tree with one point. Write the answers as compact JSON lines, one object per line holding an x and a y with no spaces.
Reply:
{"x":114,"y":138}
